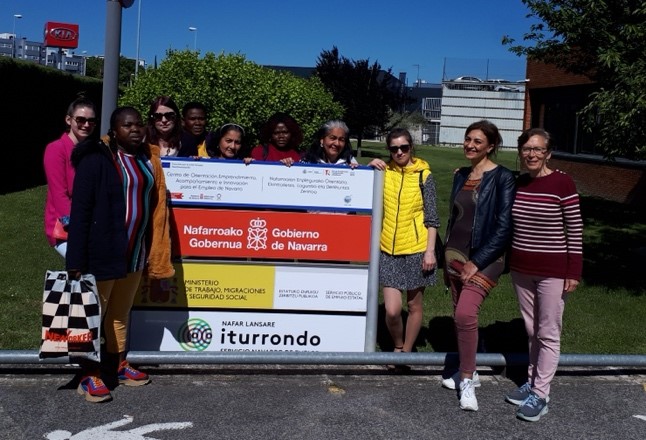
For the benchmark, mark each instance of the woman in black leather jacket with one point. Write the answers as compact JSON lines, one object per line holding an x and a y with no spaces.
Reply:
{"x":478,"y":234}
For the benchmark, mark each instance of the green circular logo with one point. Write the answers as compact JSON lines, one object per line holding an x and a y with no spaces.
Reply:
{"x":195,"y":335}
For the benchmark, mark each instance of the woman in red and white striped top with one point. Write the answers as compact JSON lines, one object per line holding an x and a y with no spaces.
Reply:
{"x":546,"y":260}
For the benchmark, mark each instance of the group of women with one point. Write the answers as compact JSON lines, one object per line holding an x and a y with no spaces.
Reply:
{"x":113,"y":190}
{"x":280,"y":137}
{"x":531,"y":224}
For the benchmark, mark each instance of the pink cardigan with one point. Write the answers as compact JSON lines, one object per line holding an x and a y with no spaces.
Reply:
{"x":60,"y":180}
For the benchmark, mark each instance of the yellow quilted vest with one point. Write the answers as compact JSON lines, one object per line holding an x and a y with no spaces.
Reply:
{"x":403,"y":231}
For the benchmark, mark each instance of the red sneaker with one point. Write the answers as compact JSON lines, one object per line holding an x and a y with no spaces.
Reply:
{"x":130,"y":376}
{"x":94,"y":390}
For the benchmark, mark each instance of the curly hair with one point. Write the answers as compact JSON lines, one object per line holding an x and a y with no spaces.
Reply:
{"x":268,"y":128}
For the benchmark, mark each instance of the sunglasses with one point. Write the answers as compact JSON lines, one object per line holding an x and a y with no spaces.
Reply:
{"x":170,"y":116}
{"x":80,"y":120}
{"x":404,"y":147}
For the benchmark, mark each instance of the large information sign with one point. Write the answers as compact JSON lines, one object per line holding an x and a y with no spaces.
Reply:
{"x":214,"y":330}
{"x":271,"y":234}
{"x":223,"y":307}
{"x":270,"y":258}
{"x":198,"y":285}
{"x":212,"y":182}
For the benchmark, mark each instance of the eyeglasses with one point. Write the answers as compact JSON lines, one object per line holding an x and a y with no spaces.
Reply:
{"x":170,"y":116}
{"x":404,"y":147}
{"x":80,"y":120}
{"x":538,"y":151}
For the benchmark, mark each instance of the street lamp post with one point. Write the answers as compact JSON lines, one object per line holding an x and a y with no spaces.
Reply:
{"x":194,"y":29}
{"x":84,"y":54}
{"x":138,"y":36}
{"x":15,"y":17}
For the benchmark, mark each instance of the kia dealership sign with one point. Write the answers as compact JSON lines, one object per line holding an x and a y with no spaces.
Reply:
{"x":61,"y":35}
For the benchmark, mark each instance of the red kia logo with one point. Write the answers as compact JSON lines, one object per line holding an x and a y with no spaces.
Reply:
{"x":63,"y":34}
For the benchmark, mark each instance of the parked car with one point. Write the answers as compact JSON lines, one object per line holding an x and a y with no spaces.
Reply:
{"x":474,"y":79}
{"x":469,"y":83}
{"x":502,"y":85}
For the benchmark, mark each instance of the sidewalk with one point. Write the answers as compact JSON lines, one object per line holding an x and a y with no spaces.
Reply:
{"x":318,"y":402}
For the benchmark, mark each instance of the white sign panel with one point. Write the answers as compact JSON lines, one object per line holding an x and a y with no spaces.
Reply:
{"x":309,"y":288}
{"x":196,"y":330}
{"x":232,"y":183}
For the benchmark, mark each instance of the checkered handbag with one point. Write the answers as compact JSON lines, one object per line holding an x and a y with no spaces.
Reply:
{"x":71,"y":317}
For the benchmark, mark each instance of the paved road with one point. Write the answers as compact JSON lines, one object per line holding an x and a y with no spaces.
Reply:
{"x":315,"y":402}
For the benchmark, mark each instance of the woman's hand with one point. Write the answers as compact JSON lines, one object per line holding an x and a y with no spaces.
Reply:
{"x":468,"y":271}
{"x":288,"y":161}
{"x":377,"y":164}
{"x":570,"y":285}
{"x":429,"y":261}
{"x":247,"y":160}
{"x":74,"y":274}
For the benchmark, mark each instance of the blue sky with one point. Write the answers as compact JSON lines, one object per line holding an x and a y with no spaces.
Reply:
{"x":412,"y":36}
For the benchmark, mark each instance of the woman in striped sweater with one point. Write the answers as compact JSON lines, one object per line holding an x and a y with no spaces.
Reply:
{"x":114,"y":234}
{"x":546,"y":261}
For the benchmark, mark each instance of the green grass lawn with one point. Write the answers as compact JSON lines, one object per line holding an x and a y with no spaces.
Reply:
{"x":602,"y":317}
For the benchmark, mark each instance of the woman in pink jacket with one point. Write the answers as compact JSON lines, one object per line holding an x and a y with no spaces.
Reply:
{"x":81,"y":121}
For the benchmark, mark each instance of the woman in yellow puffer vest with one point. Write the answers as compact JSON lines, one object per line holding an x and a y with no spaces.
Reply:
{"x":409,"y":230}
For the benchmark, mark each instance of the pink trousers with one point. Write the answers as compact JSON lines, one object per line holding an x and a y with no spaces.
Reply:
{"x":541,"y":301}
{"x":467,"y":299}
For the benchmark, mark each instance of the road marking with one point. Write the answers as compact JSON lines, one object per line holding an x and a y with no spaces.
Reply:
{"x":641,"y":417}
{"x":105,"y":432}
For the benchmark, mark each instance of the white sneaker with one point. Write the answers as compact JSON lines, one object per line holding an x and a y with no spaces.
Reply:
{"x":453,"y":382}
{"x":468,"y":401}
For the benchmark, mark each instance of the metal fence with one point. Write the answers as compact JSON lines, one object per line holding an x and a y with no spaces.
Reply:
{"x":30,"y":357}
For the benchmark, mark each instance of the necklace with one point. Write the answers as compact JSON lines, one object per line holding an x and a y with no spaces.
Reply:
{"x":168,"y":151}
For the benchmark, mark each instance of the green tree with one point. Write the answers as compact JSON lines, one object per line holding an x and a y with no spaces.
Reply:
{"x":94,"y":69}
{"x":603,"y":40}
{"x":234,"y":90}
{"x":367,"y":93}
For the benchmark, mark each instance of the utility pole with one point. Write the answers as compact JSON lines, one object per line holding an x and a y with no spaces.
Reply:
{"x":417,"y":81}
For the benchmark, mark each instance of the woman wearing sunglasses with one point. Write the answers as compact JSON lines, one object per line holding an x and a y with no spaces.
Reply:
{"x":478,"y":234}
{"x":163,"y":129}
{"x":409,"y":230}
{"x":81,"y":121}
